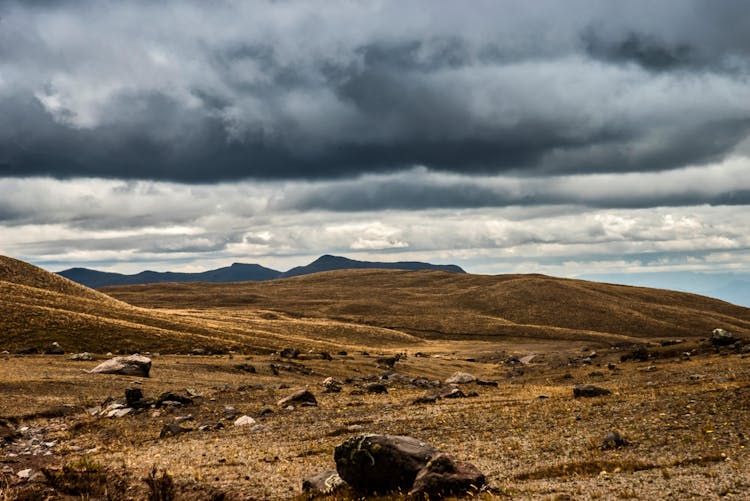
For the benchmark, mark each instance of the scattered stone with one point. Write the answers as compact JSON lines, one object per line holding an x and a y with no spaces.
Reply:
{"x":596,"y":374}
{"x":230,"y":412}
{"x":211,"y":426}
{"x":613,"y":440}
{"x":419,"y":354}
{"x":244,"y":421}
{"x":375,"y":388}
{"x":381,"y":463}
{"x":527,"y":359}
{"x":461,"y":378}
{"x":29,"y":350}
{"x":169,"y":398}
{"x":172,"y":429}
{"x":24,"y":474}
{"x":389,"y":362}
{"x":443,"y":476}
{"x":265,"y":411}
{"x":245,"y":368}
{"x":301,"y":397}
{"x":543,"y":395}
{"x":8,"y":434}
{"x":198,"y":351}
{"x":54,"y":349}
{"x":289,"y":353}
{"x":721,"y":337}
{"x":331,"y":385}
{"x":639,"y":353}
{"x":485,"y":382}
{"x":342,"y":353}
{"x":454,"y":393}
{"x":325,"y":482}
{"x":82,"y":356}
{"x":133,"y":365}
{"x":134,"y":398}
{"x":119,"y":412}
{"x":182,"y":419}
{"x":589,"y":390}
{"x":611,"y":366}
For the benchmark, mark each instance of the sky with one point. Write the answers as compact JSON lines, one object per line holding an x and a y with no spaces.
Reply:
{"x":565,"y":137}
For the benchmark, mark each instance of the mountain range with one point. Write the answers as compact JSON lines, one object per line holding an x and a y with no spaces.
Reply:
{"x":240,"y":272}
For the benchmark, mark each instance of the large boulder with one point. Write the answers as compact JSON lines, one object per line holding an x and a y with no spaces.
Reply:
{"x":721,"y":337}
{"x":133,"y":365}
{"x":443,"y":476}
{"x":381,"y":463}
{"x":54,"y":349}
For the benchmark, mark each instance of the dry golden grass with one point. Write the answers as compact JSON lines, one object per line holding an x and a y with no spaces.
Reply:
{"x":687,"y":420}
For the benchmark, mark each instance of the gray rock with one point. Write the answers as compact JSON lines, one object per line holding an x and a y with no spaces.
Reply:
{"x":331,"y":385}
{"x":133,"y":365}
{"x":444,"y":476}
{"x":324,"y":482}
{"x":381,"y":463}
{"x":613,"y":440}
{"x":461,"y":378}
{"x":82,"y":356}
{"x":375,"y":388}
{"x":589,"y":390}
{"x":244,"y":421}
{"x":173,"y":429}
{"x":301,"y":397}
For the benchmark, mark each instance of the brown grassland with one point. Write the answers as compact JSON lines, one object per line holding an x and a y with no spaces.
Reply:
{"x":686,"y":417}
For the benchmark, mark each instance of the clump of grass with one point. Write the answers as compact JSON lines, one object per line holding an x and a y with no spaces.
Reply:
{"x":161,"y":486}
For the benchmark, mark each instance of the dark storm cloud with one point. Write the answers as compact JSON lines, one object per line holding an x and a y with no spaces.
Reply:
{"x":285,"y":90}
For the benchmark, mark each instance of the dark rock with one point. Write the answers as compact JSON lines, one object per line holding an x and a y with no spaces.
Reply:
{"x":325,"y":355}
{"x":388,"y":361}
{"x":419,"y":354}
{"x":381,"y":463}
{"x":54,"y":349}
{"x":639,"y":354}
{"x":485,"y":382}
{"x":613,"y":440}
{"x":342,"y":353}
{"x":454,"y":393}
{"x":168,"y":396}
{"x":245,"y":368}
{"x":324,"y":482}
{"x":134,"y":398}
{"x":444,"y":476}
{"x":289,"y":353}
{"x":173,"y":429}
{"x":721,"y":337}
{"x":427,"y":398}
{"x":133,"y":365}
{"x":8,"y":434}
{"x":596,"y":374}
{"x":611,"y":366}
{"x":29,"y":350}
{"x":265,"y":411}
{"x":82,"y":356}
{"x":301,"y":397}
{"x":211,"y":426}
{"x":589,"y":390}
{"x":375,"y":388}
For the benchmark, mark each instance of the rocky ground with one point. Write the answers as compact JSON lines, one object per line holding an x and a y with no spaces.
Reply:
{"x":673,"y":421}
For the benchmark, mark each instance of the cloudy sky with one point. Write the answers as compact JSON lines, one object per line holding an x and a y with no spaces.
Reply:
{"x":565,"y":137}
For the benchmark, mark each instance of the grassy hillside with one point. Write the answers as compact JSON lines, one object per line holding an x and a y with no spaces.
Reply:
{"x":38,"y":307}
{"x":434,"y":304}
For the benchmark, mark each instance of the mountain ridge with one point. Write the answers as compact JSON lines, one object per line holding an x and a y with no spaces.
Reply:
{"x":241,"y":272}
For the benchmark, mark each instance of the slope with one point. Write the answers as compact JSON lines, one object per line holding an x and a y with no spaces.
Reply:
{"x":440,"y":305}
{"x":38,"y":307}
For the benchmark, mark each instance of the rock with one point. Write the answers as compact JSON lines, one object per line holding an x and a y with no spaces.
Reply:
{"x":331,"y":385}
{"x":611,"y":366}
{"x":170,"y":398}
{"x":589,"y":390}
{"x":245,"y":368}
{"x":54,"y":349}
{"x":324,"y":482}
{"x":134,"y":398}
{"x":613,"y":440}
{"x":24,"y":474}
{"x":301,"y":397}
{"x":486,"y":382}
{"x":639,"y":354}
{"x":443,"y":476}
{"x":82,"y":356}
{"x":388,"y":362}
{"x":244,"y":421}
{"x":461,"y":378}
{"x":133,"y":365}
{"x":454,"y":393}
{"x":381,"y":463}
{"x":230,"y":412}
{"x":375,"y":388}
{"x":289,"y":353}
{"x":119,"y":412}
{"x":721,"y":337}
{"x":8,"y":434}
{"x":210,"y":426}
{"x":173,"y":429}
{"x":527,"y":359}
{"x":29,"y":350}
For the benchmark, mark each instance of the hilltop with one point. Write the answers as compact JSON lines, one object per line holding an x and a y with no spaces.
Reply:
{"x":240,"y":272}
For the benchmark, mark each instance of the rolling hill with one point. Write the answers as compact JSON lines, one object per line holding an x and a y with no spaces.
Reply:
{"x":38,"y":307}
{"x":239,"y":272}
{"x":441,"y":305}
